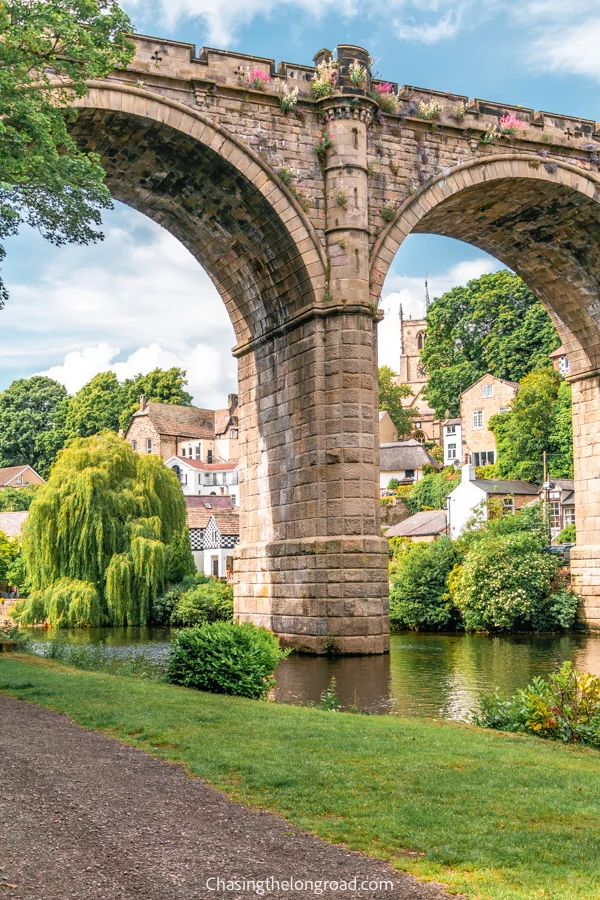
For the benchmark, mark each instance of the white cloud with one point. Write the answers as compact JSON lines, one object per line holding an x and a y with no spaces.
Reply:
{"x":571,"y":49}
{"x":427,"y":33}
{"x":410,"y":292}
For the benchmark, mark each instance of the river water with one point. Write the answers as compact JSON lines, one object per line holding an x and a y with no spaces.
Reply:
{"x":424,"y":675}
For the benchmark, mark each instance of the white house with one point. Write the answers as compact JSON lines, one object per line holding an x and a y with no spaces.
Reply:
{"x":472,"y":496}
{"x":404,"y":461}
{"x":206,"y":479}
{"x":452,"y":436}
{"x":214,"y":533}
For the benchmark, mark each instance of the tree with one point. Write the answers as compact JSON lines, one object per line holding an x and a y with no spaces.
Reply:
{"x":538,"y":421}
{"x":159,"y":386}
{"x":391,"y":396}
{"x":96,"y":407}
{"x":98,"y":537}
{"x":14,"y":499}
{"x":32,"y":412}
{"x":419,"y":597}
{"x":495,"y":324}
{"x":431,"y":491}
{"x":47,"y":52}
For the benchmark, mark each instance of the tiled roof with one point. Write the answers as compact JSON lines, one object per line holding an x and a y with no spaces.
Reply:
{"x":560,"y":351}
{"x":504,"y":486}
{"x":208,"y":467}
{"x":228,"y":520}
{"x":224,"y":417}
{"x":420,"y":525}
{"x":180,"y":421}
{"x":403,"y":455}
{"x":11,"y":523}
{"x":7,"y":475}
{"x":195,"y":500}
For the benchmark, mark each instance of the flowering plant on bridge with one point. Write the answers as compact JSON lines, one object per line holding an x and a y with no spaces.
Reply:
{"x":388,"y":210}
{"x":429,"y":109}
{"x":384,"y":95}
{"x":357,"y":74}
{"x":257,"y":79}
{"x":325,"y":79}
{"x":511,"y":125}
{"x":288,"y":99}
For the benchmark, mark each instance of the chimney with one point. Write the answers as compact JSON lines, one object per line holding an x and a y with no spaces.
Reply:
{"x":468,"y":472}
{"x":142,"y":402}
{"x":232,"y":402}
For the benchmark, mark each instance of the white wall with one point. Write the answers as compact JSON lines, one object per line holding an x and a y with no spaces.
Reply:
{"x":464,"y":502}
{"x":386,"y":477}
{"x":453,"y":439}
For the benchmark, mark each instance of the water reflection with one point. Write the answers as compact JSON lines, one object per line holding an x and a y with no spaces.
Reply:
{"x":424,"y":675}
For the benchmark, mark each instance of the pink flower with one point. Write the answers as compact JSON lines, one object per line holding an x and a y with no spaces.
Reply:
{"x":384,"y":88}
{"x":511,"y":121}
{"x":257,"y":75}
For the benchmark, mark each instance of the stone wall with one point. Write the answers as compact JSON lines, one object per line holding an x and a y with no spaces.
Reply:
{"x":478,"y":439}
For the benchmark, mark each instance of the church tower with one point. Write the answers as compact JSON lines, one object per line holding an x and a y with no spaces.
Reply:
{"x":413,"y":333}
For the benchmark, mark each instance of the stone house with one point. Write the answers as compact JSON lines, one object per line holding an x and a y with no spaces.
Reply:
{"x":488,"y":497}
{"x":19,"y":476}
{"x":403,"y":460}
{"x":189,"y":432}
{"x":213,"y":535}
{"x":484,"y":399}
{"x":206,"y":479}
{"x":424,"y":526}
{"x":560,"y":497}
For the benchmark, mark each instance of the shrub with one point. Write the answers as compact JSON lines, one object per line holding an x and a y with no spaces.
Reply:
{"x":503,"y":581}
{"x":163,"y":606}
{"x":393,"y":483}
{"x":431,"y":491}
{"x":566,"y":708}
{"x":568,"y":535}
{"x":225,"y":658}
{"x":419,"y":596}
{"x":208,"y":602}
{"x":181,"y":560}
{"x":556,"y":612}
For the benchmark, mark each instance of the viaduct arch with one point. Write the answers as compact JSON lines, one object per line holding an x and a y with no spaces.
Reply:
{"x":298,"y":233}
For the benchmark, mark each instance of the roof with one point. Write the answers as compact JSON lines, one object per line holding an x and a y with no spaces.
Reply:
{"x":223,"y":501}
{"x":11,"y":523}
{"x":228,"y":520}
{"x":453,"y":422}
{"x":10,"y":473}
{"x":556,"y":354}
{"x":402,"y":455}
{"x":566,"y":487}
{"x":513,"y":384}
{"x":504,"y":486}
{"x":208,"y":467}
{"x":224,"y":418}
{"x":180,"y":421}
{"x":432,"y":521}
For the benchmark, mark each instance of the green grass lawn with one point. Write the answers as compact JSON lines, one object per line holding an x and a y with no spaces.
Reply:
{"x":491,"y":815}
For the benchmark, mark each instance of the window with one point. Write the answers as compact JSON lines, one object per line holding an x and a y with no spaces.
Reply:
{"x":197,"y":451}
{"x":563,"y":365}
{"x":508,"y":506}
{"x":134,"y":445}
{"x":409,"y":473}
{"x":233,"y":499}
{"x":554,"y":510}
{"x":183,"y":451}
{"x":487,"y":391}
{"x":148,"y":445}
{"x":504,"y":409}
{"x":19,"y":480}
{"x":420,"y":340}
{"x":215,"y":566}
{"x":569,"y":515}
{"x":209,"y":456}
{"x":451,"y":451}
{"x":233,"y":434}
{"x":477,"y":418}
{"x":450,"y":429}
{"x":484,"y":458}
{"x":417,"y":424}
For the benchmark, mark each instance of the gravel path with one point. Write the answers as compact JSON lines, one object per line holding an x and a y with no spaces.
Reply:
{"x":84,"y":817}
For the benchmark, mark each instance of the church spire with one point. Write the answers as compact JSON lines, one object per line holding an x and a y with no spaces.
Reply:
{"x":427,"y":301}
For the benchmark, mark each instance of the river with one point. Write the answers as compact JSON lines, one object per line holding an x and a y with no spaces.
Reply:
{"x":424,"y":675}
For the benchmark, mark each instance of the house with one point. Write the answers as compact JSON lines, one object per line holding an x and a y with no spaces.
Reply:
{"x":423,"y":526}
{"x":404,"y":461}
{"x":452,"y":438}
{"x":388,"y":433}
{"x":206,"y":479}
{"x":189,"y":432}
{"x":560,"y":361}
{"x":560,"y":497}
{"x":19,"y":476}
{"x":488,"y":497}
{"x":11,"y":523}
{"x":214,"y":533}
{"x":484,"y":399}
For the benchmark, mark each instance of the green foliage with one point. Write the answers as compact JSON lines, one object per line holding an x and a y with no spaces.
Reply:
{"x":47,"y":52}
{"x":181,"y":559}
{"x":16,"y":574}
{"x":107,"y":518}
{"x":568,"y":535}
{"x":96,"y":407}
{"x":390,"y":399}
{"x":208,"y":602}
{"x":225,"y":658}
{"x":17,"y":499}
{"x":97,"y":658}
{"x":486,"y":472}
{"x":393,"y":483}
{"x":8,"y":551}
{"x":494,"y":324}
{"x":419,"y":596}
{"x":162,"y":609}
{"x":560,"y":444}
{"x":431,"y":491}
{"x":32,"y":414}
{"x":159,"y":386}
{"x":565,"y":707}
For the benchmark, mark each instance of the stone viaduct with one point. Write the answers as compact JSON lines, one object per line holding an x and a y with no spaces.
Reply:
{"x":298,"y":243}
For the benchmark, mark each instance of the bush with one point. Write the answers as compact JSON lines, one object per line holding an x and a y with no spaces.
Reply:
{"x":225,"y":658}
{"x":393,"y":483}
{"x":419,"y":596}
{"x":568,"y":535}
{"x":431,"y":491}
{"x":503,"y":582}
{"x":208,"y":602}
{"x":566,"y":708}
{"x":163,"y":606}
{"x":181,"y":560}
{"x":556,"y":612}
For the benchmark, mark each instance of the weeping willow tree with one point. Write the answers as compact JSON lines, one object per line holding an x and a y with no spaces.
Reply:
{"x":102,"y":536}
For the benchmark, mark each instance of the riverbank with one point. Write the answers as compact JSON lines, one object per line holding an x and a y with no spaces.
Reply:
{"x":494,"y":816}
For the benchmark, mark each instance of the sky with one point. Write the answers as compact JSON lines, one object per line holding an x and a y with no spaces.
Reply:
{"x":139,"y":300}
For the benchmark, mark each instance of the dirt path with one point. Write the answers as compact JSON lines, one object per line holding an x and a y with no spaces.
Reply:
{"x":83,"y":816}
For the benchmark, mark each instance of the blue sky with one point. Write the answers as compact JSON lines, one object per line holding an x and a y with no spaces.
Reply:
{"x":139,"y":300}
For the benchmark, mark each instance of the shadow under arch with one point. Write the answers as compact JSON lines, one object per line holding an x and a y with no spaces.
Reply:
{"x":540,"y":218}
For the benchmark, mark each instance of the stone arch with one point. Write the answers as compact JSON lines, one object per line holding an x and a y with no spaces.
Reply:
{"x":225,"y":204}
{"x":536,"y":217}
